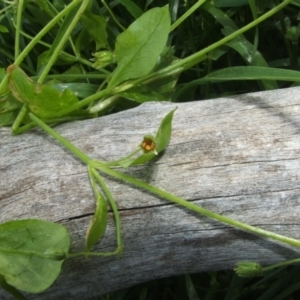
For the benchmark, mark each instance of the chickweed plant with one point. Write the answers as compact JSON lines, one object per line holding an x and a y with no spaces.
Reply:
{"x":71,"y":60}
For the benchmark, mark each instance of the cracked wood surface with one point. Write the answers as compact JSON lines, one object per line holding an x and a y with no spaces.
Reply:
{"x":238,"y":156}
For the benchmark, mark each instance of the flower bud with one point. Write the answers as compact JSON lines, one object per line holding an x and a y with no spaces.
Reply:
{"x":292,"y":34}
{"x":248,"y":269}
{"x":102,"y":59}
{"x":148,"y":143}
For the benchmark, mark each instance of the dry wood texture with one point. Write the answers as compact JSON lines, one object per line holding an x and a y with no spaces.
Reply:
{"x":238,"y":156}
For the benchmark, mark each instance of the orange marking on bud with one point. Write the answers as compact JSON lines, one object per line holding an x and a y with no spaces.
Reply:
{"x":148,"y":144}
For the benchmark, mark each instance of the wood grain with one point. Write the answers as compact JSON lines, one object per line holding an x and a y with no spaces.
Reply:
{"x":238,"y":156}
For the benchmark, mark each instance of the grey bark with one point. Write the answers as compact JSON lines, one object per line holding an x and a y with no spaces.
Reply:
{"x":238,"y":156}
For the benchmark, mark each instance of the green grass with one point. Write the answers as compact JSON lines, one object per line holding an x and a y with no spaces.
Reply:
{"x":259,"y":53}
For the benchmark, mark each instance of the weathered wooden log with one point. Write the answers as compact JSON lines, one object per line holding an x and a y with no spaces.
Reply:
{"x":238,"y":156}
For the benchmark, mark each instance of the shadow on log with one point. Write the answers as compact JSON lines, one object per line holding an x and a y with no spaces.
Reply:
{"x":237,"y":156}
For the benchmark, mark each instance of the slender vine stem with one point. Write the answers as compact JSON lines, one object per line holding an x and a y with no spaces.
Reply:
{"x":45,"y":29}
{"x":186,"y":14}
{"x":112,"y":15}
{"x":104,"y":168}
{"x":199,"y":209}
{"x":282,"y":264}
{"x":19,"y":118}
{"x":18,"y":28}
{"x":78,"y":153}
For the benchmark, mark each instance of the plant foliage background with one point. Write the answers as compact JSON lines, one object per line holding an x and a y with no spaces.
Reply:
{"x":245,"y":64}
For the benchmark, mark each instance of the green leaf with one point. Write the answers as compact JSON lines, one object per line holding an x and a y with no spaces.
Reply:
{"x":98,"y":223}
{"x":24,"y":245}
{"x":163,"y":135}
{"x":157,"y":90}
{"x":42,"y":100}
{"x":9,"y":106}
{"x":96,"y":27}
{"x":81,"y":90}
{"x":83,"y":40}
{"x":132,"y":8}
{"x":252,"y":73}
{"x":9,"y":109}
{"x":138,"y":47}
{"x":242,"y":73}
{"x":3,"y":29}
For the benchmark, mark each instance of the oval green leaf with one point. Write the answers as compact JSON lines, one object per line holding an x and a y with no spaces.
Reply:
{"x":24,"y":253}
{"x":98,"y":223}
{"x":138,"y":47}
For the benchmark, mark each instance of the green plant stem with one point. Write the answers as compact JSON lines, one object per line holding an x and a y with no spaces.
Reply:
{"x":63,"y":40}
{"x":112,"y":15}
{"x":47,"y":28}
{"x":116,"y":162}
{"x":18,"y":28}
{"x":73,"y":76}
{"x":186,"y":14}
{"x":24,"y":128}
{"x":282,"y":264}
{"x":86,"y":254}
{"x":71,"y":57}
{"x":61,"y":139}
{"x":19,"y":118}
{"x":199,"y":209}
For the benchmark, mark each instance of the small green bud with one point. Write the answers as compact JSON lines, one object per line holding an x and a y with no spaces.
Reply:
{"x":55,"y":254}
{"x":292,"y":34}
{"x":248,"y":269}
{"x":102,"y":59}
